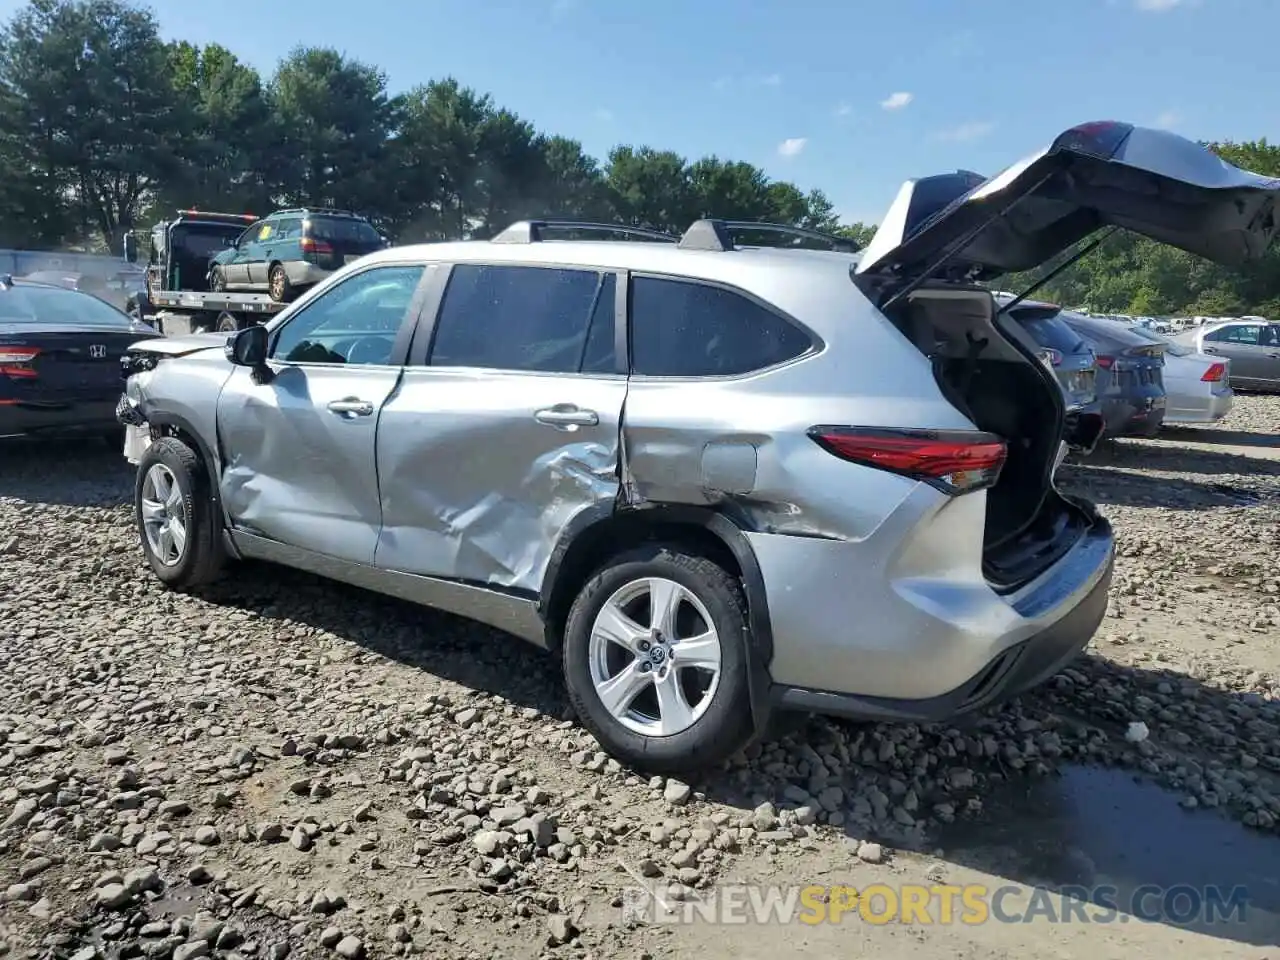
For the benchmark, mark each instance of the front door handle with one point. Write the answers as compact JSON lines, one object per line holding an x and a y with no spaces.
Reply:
{"x":567,"y":416}
{"x":351,"y":407}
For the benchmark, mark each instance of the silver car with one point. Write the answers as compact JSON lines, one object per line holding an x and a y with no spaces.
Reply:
{"x":1197,"y":385}
{"x":1252,"y":347}
{"x":715,"y":480}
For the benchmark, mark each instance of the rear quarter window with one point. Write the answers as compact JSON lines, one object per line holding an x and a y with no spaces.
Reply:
{"x":685,"y":329}
{"x":343,"y":229}
{"x":1049,"y":331}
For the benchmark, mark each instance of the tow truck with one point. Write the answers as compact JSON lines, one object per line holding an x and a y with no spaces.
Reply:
{"x":177,"y":298}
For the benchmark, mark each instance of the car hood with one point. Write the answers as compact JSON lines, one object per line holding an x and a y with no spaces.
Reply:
{"x":179,"y":346}
{"x":1095,"y":175}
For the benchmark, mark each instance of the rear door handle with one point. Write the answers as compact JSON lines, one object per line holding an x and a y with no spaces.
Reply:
{"x":567,"y":415}
{"x":351,"y":407}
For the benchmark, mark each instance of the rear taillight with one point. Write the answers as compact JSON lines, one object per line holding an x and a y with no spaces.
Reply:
{"x":1215,"y":373}
{"x":18,"y":362}
{"x":1105,"y":362}
{"x":952,"y":461}
{"x":312,"y":245}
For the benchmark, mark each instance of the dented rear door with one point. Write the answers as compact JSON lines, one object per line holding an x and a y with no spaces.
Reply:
{"x":506,"y":428}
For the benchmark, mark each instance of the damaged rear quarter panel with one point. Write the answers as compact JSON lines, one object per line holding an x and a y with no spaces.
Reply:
{"x":473,"y":487}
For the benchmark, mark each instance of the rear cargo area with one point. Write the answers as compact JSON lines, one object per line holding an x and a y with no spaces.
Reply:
{"x":986,"y":367}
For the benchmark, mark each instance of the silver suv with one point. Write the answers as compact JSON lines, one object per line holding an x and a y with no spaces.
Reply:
{"x":716,"y":479}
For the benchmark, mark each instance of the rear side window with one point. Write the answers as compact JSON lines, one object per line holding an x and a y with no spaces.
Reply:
{"x":347,"y":229}
{"x":1249,"y":334}
{"x":682,"y":329}
{"x":1051,"y":332}
{"x":541,"y":319}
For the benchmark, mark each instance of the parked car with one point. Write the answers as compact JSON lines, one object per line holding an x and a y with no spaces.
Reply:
{"x":1197,"y":386}
{"x":1253,"y":348}
{"x":1072,"y":361}
{"x":60,"y":354}
{"x":1130,"y":376}
{"x":293,"y":249}
{"x":716,"y":480}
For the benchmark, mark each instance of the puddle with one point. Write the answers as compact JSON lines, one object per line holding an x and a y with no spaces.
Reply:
{"x":1094,"y":826}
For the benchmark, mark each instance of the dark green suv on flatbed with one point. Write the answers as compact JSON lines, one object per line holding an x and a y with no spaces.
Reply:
{"x":292,"y":249}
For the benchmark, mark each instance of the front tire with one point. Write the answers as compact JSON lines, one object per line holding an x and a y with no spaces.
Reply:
{"x":655,"y":660}
{"x":176,"y":516}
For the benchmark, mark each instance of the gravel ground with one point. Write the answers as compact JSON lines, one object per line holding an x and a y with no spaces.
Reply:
{"x":283,"y":766}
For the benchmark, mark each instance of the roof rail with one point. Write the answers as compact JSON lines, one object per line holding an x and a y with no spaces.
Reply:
{"x":329,"y":210}
{"x":215,"y":215}
{"x":530,"y":231}
{"x":716,"y":235}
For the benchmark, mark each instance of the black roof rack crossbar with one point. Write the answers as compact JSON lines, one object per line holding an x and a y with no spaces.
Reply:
{"x":531,"y":231}
{"x":717,"y":235}
{"x":329,"y":210}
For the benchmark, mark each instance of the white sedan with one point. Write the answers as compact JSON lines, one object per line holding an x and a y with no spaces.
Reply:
{"x":1197,"y":385}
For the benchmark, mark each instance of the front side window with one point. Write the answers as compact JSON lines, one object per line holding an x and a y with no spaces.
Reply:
{"x":682,"y":329}
{"x":355,"y":322}
{"x":524,"y":318}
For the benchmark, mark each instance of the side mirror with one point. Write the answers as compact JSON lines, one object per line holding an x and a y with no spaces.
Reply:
{"x":130,"y":248}
{"x":248,"y":347}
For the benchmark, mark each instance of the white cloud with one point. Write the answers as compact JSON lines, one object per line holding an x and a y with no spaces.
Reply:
{"x":896,"y":101}
{"x":1157,"y":6}
{"x":843,"y":110}
{"x":967,"y":132}
{"x":1168,"y":119}
{"x":792,"y":147}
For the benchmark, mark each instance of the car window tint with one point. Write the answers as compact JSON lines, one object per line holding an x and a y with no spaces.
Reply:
{"x":354,"y":322}
{"x":20,"y":303}
{"x":600,"y":354}
{"x":515,"y":318}
{"x":1271,"y":336}
{"x":289,"y":229}
{"x":347,"y":229}
{"x":1248,"y":334}
{"x":681,"y":329}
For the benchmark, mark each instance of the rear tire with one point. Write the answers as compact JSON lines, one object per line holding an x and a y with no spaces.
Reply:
{"x":278,"y":286}
{"x":228,"y":323}
{"x":177,"y":518}
{"x":656,"y":725}
{"x":217,"y":280}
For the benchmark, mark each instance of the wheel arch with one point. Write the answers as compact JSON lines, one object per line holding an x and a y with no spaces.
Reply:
{"x":602,"y":531}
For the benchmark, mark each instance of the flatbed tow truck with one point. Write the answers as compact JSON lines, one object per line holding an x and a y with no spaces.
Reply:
{"x":177,"y":299}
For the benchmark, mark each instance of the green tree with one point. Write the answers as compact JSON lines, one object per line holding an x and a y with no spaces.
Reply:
{"x":88,"y":108}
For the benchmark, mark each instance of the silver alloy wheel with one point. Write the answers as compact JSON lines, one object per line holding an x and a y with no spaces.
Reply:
{"x":164,"y":515}
{"x":656,"y":679}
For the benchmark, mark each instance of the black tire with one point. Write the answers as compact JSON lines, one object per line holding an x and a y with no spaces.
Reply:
{"x":279,"y":288}
{"x":203,"y":556}
{"x":217,"y":280}
{"x":228,"y":323}
{"x":726,"y":725}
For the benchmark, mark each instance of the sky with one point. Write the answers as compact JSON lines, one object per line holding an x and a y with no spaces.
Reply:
{"x":849,"y":96}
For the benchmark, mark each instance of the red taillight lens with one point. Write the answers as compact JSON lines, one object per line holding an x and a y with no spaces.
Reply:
{"x":1215,"y":373}
{"x":17,"y":362}
{"x":953,"y":461}
{"x":1105,"y":362}
{"x":311,"y":245}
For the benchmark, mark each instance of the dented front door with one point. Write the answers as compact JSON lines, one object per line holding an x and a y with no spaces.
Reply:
{"x":299,"y":456}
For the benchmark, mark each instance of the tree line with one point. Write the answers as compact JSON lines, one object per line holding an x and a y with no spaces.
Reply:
{"x":105,"y":127}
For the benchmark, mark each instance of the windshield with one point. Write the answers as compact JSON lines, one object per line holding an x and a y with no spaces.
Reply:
{"x":33,"y":304}
{"x":1048,"y":330}
{"x":205,"y":240}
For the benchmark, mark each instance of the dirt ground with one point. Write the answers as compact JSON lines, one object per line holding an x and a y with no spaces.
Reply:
{"x":283,"y":766}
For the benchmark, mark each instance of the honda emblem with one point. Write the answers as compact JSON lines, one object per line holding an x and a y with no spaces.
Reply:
{"x":98,"y":351}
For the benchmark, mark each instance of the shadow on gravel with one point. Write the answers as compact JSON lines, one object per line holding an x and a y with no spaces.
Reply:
{"x":77,"y":473}
{"x":1123,"y":488}
{"x":1227,"y":438}
{"x":1172,"y":458}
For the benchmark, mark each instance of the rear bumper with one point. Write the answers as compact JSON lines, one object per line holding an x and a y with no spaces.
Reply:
{"x":57,"y":418}
{"x":302,"y":273}
{"x":1209,"y":408}
{"x":944,"y":649}
{"x":1134,"y":415}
